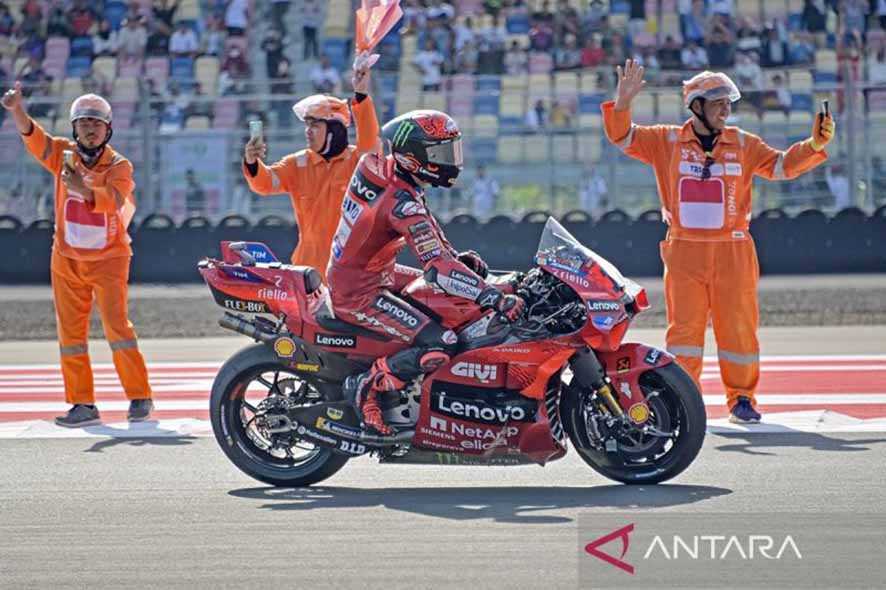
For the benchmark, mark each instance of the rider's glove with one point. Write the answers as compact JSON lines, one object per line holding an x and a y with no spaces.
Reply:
{"x":509,"y":306}
{"x":473,"y":261}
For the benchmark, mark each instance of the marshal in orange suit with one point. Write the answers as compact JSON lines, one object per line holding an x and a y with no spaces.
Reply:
{"x":705,"y":171}
{"x":317,"y":178}
{"x":94,"y":204}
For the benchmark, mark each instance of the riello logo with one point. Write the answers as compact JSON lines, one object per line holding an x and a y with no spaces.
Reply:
{"x":695,"y":547}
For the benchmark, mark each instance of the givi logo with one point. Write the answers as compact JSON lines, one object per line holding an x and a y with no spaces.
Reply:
{"x":623,"y":533}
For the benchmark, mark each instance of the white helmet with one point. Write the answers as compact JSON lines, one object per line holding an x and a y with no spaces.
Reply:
{"x":91,"y":106}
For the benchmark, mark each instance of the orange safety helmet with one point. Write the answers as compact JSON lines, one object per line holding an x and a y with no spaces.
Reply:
{"x":325,"y":108}
{"x":91,"y":106}
{"x":709,"y":86}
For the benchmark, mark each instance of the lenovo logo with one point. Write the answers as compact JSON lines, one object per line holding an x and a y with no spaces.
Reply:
{"x":334,"y":340}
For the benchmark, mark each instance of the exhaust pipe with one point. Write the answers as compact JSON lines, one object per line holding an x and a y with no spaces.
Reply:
{"x":381,"y":441}
{"x":247,"y":328}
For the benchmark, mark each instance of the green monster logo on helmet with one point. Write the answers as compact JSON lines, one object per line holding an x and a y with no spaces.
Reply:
{"x":402,"y":133}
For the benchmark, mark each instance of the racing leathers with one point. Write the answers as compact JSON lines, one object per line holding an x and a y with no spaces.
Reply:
{"x":382,"y":212}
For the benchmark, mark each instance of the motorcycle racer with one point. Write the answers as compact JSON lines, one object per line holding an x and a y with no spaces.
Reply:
{"x":384,"y":210}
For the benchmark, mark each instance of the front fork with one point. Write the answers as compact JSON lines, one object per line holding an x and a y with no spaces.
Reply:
{"x":586,"y":368}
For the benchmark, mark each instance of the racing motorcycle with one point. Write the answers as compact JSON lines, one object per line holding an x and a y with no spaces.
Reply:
{"x":512,"y":395}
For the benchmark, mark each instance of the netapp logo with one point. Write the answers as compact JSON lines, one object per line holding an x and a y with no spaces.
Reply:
{"x":404,"y":317}
{"x":478,"y":411}
{"x":337,"y":341}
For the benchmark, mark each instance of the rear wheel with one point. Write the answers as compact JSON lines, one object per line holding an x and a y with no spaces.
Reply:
{"x":250,"y":397}
{"x":673,"y":437}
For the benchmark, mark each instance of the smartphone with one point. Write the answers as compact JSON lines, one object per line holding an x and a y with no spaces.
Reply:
{"x":255,"y":129}
{"x":68,"y":156}
{"x":825,"y":107}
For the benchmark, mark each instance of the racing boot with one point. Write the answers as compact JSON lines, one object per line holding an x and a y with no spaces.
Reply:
{"x":364,"y":390}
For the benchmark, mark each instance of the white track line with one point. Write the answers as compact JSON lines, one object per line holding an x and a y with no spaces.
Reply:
{"x":811,"y":422}
{"x":813,"y":399}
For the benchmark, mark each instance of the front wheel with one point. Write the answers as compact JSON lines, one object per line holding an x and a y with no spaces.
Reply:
{"x":631,"y":455}
{"x":249,"y":394}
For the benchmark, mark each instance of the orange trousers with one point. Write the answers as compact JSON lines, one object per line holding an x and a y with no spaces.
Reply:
{"x":716,"y":280}
{"x":74,"y":284}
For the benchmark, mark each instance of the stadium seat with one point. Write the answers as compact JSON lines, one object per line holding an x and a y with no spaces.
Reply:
{"x":62,"y":125}
{"x":539,"y":85}
{"x":206,"y":72}
{"x":826,"y":61}
{"x":517,"y":24}
{"x":512,"y":105}
{"x":58,"y":47}
{"x":433,"y":100}
{"x":336,"y":49}
{"x":78,"y":66}
{"x":197,"y":122}
{"x":513,"y":82}
{"x":590,"y":103}
{"x":800,"y":80}
{"x":521,"y":40}
{"x":643,"y":107}
{"x":565,"y":147}
{"x":510,"y":149}
{"x":181,"y":68}
{"x":481,"y":150}
{"x":590,"y":120}
{"x":124,"y":112}
{"x":566,"y":83}
{"x":670,"y":106}
{"x":157,"y":69}
{"x":72,"y":88}
{"x":227,"y":113}
{"x":188,"y":10}
{"x":114,"y":13}
{"x":537,"y":148}
{"x":484,"y":126}
{"x":125,"y":89}
{"x":486,"y":104}
{"x":129,"y":68}
{"x":540,"y":63}
{"x":589,"y":147}
{"x":81,"y":47}
{"x":801,"y":101}
{"x":487,"y":84}
{"x":105,"y":66}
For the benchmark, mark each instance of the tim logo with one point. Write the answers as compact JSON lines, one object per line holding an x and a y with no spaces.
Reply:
{"x":482,"y":373}
{"x":594,"y":548}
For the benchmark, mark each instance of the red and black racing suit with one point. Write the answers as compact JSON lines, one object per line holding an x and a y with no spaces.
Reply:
{"x":381,"y":213}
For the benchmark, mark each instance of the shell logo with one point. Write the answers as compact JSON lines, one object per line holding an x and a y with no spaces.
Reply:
{"x":284,"y":347}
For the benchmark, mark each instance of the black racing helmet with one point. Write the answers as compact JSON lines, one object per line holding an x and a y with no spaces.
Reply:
{"x":427,"y":144}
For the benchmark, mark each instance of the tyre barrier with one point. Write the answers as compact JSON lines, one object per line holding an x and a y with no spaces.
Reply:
{"x":808,"y":243}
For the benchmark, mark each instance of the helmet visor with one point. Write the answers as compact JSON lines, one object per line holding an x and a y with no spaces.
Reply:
{"x":448,"y":153}
{"x":726,"y":91}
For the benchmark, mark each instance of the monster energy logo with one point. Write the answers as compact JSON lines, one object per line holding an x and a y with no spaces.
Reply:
{"x":402,"y":133}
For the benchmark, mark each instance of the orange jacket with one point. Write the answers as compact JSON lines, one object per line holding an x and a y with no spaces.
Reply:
{"x":717,"y":208}
{"x":86,"y":231}
{"x":317,"y":187}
